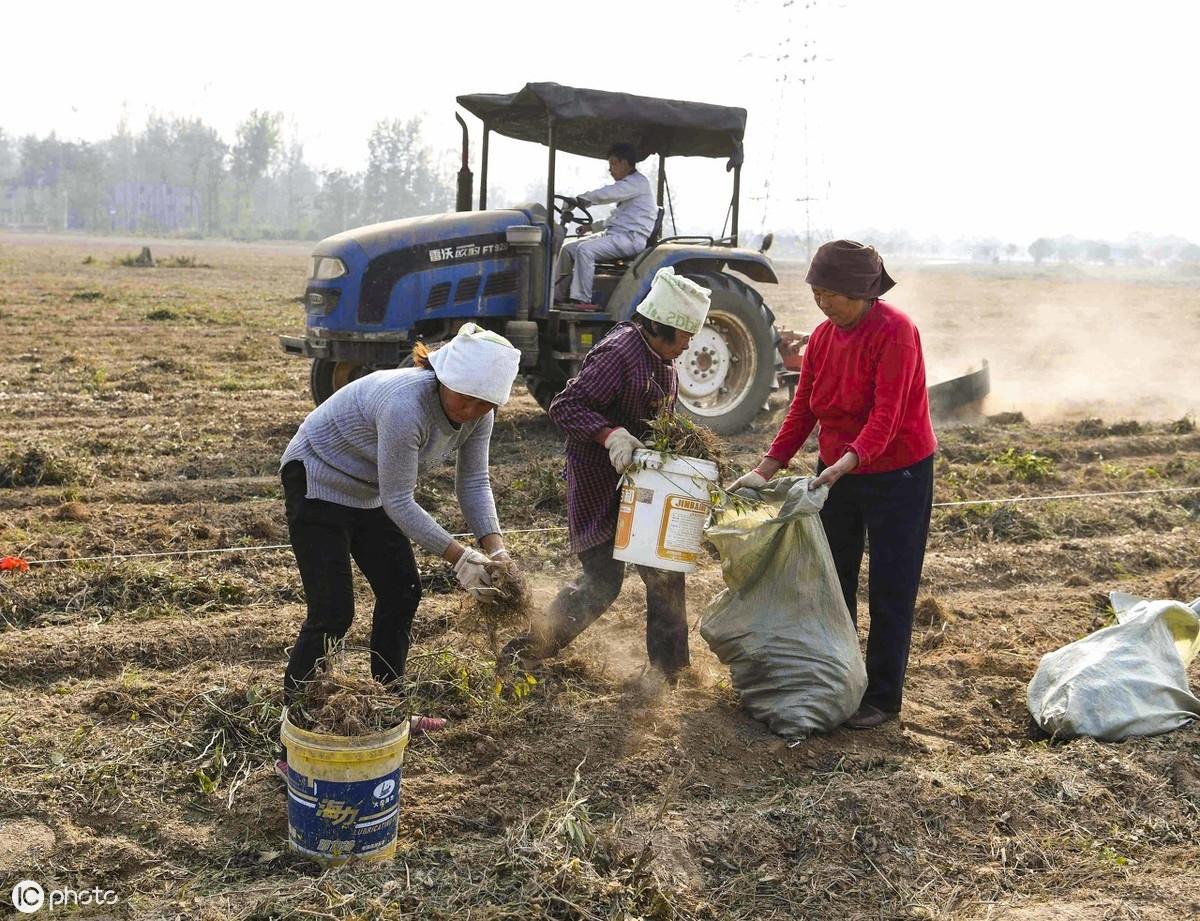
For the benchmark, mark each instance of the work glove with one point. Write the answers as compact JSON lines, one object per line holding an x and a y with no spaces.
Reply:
{"x":569,"y":202}
{"x":471,"y":570}
{"x":621,"y":445}
{"x":752,"y":481}
{"x":513,"y":578}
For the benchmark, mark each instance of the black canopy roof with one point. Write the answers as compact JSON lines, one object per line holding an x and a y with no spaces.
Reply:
{"x":588,"y":122}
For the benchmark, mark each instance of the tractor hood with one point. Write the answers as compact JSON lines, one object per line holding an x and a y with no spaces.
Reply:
{"x":457,"y":231}
{"x":438,"y":267}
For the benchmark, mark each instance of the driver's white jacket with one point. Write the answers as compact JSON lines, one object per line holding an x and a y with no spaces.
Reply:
{"x":636,"y":211}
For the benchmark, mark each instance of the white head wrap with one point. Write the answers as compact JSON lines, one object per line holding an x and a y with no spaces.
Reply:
{"x":675,"y":301}
{"x":479,"y":363}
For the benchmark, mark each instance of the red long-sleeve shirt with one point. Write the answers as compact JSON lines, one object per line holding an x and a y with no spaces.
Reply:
{"x":866,"y":389}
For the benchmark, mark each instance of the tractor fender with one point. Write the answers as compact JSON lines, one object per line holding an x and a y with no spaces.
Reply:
{"x":686,"y":259}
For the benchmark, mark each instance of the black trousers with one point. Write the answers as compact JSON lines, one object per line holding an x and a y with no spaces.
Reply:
{"x":892,"y":511}
{"x":581,"y":603}
{"x":324,"y":537}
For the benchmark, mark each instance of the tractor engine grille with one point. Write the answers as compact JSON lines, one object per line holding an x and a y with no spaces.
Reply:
{"x":467,"y":290}
{"x":439,"y":296}
{"x":500,"y":283}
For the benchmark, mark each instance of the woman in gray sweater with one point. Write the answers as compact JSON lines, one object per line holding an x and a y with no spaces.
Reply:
{"x":349,"y":476}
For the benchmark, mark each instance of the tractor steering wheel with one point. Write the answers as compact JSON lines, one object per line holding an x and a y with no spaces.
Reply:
{"x":568,"y":213}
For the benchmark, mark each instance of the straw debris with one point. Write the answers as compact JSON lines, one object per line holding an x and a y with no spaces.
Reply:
{"x":338,"y":703}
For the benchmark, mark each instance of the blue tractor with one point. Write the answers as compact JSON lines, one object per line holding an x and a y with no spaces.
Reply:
{"x":376,"y":291}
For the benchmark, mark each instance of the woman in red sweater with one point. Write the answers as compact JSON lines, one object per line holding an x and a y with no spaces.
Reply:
{"x":863,"y":384}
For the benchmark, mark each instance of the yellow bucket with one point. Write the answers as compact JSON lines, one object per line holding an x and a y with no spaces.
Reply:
{"x":343,"y":793}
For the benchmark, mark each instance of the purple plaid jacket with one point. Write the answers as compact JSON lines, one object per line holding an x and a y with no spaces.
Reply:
{"x":622,"y":384}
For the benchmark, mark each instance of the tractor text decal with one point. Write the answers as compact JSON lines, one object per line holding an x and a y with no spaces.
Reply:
{"x":464,"y":251}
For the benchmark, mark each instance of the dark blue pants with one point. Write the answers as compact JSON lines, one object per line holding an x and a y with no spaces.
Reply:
{"x":325,"y":536}
{"x":890,"y":510}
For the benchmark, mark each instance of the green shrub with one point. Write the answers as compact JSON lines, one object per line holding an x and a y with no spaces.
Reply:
{"x":1027,"y":466}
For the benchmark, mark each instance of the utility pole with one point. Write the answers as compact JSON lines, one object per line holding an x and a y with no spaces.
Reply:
{"x":808,"y":247}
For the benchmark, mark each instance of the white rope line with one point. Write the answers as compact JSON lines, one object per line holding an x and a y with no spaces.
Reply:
{"x":135,"y":556}
{"x":1075,"y":495}
{"x":263,"y":547}
{"x":258,"y":547}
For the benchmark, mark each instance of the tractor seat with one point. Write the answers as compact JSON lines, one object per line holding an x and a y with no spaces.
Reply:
{"x":618,"y":266}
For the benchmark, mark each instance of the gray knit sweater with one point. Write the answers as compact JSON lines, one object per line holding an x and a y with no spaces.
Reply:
{"x":363,"y":448}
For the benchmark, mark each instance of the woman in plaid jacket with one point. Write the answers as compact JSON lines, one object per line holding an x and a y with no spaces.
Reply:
{"x":627,"y":380}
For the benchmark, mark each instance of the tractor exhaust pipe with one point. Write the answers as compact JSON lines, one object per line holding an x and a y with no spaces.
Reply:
{"x":522,"y":331}
{"x":466,"y":181}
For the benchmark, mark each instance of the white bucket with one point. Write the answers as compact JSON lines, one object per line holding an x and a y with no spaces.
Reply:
{"x":664,"y":507}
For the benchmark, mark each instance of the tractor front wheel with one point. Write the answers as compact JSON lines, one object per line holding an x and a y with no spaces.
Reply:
{"x":726,"y":374}
{"x":545,"y":389}
{"x":327,"y":376}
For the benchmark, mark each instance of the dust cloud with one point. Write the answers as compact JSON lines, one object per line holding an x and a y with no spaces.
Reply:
{"x":1096,"y":342}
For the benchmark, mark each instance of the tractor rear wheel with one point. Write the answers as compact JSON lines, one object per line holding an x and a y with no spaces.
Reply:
{"x":726,"y":374}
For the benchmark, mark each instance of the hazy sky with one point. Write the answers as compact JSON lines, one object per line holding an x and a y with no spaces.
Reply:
{"x":1013,"y":119}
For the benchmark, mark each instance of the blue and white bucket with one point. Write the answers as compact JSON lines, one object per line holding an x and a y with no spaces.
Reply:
{"x":343,"y":793}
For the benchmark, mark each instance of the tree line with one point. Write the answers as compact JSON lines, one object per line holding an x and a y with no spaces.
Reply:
{"x":179,"y":176}
{"x":1139,"y":249}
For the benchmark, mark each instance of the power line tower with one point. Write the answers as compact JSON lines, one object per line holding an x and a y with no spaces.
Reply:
{"x":797,"y":58}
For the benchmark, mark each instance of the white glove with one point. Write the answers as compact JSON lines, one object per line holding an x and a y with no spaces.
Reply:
{"x":753,"y":481}
{"x":471,"y":570}
{"x":621,"y":446}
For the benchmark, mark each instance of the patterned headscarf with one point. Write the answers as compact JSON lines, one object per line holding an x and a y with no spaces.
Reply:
{"x":675,"y":301}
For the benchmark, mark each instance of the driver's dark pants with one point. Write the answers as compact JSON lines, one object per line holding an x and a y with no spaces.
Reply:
{"x":325,"y":536}
{"x":577,"y":261}
{"x":892,"y":511}
{"x":581,"y":603}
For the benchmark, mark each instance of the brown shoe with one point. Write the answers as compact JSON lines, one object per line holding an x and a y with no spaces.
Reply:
{"x":518,"y":651}
{"x":868,"y":717}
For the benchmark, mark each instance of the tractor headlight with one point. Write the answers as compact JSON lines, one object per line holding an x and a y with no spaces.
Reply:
{"x":326,"y":267}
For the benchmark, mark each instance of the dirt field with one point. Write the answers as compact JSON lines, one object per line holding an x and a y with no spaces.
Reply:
{"x":144,"y":410}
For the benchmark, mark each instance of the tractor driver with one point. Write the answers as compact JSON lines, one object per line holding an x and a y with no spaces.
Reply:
{"x":624,"y":234}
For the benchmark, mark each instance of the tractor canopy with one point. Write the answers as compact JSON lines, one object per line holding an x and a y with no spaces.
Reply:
{"x":587,"y":122}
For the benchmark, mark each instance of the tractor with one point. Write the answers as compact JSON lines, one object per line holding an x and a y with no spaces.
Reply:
{"x":374,"y":292}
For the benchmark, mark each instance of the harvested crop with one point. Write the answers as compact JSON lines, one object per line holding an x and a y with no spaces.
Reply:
{"x":510,"y":609}
{"x":678,"y":436}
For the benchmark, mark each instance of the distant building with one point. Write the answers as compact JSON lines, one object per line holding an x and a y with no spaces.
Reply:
{"x":153,"y":206}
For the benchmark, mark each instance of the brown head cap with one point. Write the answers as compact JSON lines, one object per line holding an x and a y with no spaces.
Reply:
{"x":851,"y":269}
